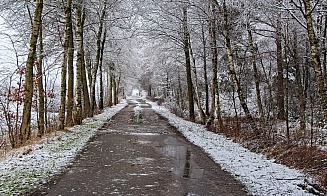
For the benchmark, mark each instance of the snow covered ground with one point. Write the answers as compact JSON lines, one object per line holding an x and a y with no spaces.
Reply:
{"x":260,"y":175}
{"x":20,"y":173}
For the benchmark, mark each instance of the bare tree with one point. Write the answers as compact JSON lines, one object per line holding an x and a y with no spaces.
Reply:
{"x":188,"y":65}
{"x":223,"y":13}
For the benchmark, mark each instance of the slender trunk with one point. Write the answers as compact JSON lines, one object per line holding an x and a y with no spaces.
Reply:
{"x":299,"y":83}
{"x":97,"y":60}
{"x":46,"y":120}
{"x":287,"y":93}
{"x":25,"y":129}
{"x":86,"y":70}
{"x":287,"y":104}
{"x":70,"y":65}
{"x":110,"y":90}
{"x":101,"y":87}
{"x":180,"y":92}
{"x":255,"y":74}
{"x":108,"y":85}
{"x":206,"y":83}
{"x":117,"y":89}
{"x":114,"y":89}
{"x":280,"y":77}
{"x":101,"y":73}
{"x":324,"y":50}
{"x":62,"y":109}
{"x":215,"y":102}
{"x":40,"y":87}
{"x":196,"y":90}
{"x":188,"y":66}
{"x":88,"y":66}
{"x":112,"y":81}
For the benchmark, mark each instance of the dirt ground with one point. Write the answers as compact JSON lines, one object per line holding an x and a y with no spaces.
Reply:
{"x":142,"y":155}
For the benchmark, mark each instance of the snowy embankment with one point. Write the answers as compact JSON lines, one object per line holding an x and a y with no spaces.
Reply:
{"x":21,"y":173}
{"x":260,"y":175}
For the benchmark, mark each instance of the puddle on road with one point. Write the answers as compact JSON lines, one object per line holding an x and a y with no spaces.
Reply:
{"x":181,"y":159}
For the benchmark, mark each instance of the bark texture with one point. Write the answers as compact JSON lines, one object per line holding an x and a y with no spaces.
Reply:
{"x":188,"y":66}
{"x":279,"y":62}
{"x":25,"y":129}
{"x":41,"y":108}
{"x":321,"y":81}
{"x":215,"y":102}
{"x":70,"y":64}
{"x":255,"y":74}
{"x":79,"y":63}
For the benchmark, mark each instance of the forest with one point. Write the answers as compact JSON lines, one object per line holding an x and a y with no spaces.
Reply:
{"x":255,"y":71}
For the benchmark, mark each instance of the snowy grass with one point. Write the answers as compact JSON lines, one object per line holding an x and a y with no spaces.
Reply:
{"x":260,"y":175}
{"x":23,"y":173}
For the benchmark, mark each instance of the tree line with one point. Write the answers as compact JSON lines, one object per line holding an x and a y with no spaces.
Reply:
{"x":265,"y":60}
{"x":209,"y":60}
{"x":83,"y":38}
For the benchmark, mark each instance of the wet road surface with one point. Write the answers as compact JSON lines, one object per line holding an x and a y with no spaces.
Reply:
{"x":138,"y":153}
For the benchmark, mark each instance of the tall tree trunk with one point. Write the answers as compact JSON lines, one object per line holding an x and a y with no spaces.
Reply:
{"x":46,"y":120}
{"x":79,"y":64}
{"x":110,"y":90}
{"x":25,"y":129}
{"x":117,"y":88}
{"x":298,"y":78}
{"x":196,"y":90}
{"x":97,"y":60}
{"x":180,"y":92}
{"x":226,"y":26}
{"x":215,"y":102}
{"x":70,"y":64}
{"x":324,"y":49}
{"x":188,"y":66}
{"x":114,"y":89}
{"x":62,"y":109}
{"x":101,"y":73}
{"x":101,"y":93}
{"x":41,"y":107}
{"x":111,"y":86}
{"x":108,"y":85}
{"x":255,"y":74}
{"x":280,"y":74}
{"x":269,"y":86}
{"x":87,"y":70}
{"x":321,"y":81}
{"x":206,"y":83}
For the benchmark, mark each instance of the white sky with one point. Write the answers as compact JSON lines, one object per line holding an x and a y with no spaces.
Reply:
{"x":8,"y":61}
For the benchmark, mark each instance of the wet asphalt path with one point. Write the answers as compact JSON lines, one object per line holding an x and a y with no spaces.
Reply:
{"x":142,"y":155}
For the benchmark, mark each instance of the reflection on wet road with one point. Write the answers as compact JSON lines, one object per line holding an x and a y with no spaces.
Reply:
{"x":181,"y":159}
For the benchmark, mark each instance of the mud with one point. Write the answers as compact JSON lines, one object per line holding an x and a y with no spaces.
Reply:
{"x":138,"y":153}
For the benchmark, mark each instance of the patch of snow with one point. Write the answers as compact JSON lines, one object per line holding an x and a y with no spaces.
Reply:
{"x":144,"y":134}
{"x":21,"y":173}
{"x":260,"y":175}
{"x":143,"y":142}
{"x":135,"y":174}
